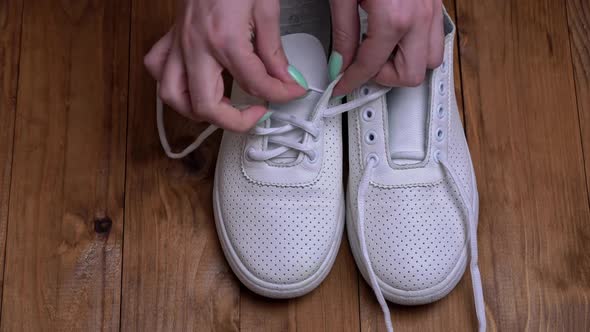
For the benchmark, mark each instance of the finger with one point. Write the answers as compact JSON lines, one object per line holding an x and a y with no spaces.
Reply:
{"x":226,"y":116}
{"x":372,"y":54}
{"x":206,"y":95}
{"x":345,"y":34}
{"x":436,"y":41}
{"x":408,"y":67}
{"x":155,"y":59}
{"x":268,"y":39}
{"x":173,"y":86}
{"x":249,"y":71}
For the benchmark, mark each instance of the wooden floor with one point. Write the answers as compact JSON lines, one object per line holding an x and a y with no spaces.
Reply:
{"x":100,"y":231}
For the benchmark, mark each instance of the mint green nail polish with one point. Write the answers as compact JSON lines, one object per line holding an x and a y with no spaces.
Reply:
{"x":334,"y":65}
{"x":264,"y":117}
{"x":298,"y":77}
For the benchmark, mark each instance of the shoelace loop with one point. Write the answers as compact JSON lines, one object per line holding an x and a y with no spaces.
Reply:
{"x":274,"y":133}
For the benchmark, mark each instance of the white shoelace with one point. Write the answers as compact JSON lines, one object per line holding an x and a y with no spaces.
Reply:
{"x":308,"y":126}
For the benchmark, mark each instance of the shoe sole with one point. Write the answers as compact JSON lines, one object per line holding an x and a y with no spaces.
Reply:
{"x":265,"y":288}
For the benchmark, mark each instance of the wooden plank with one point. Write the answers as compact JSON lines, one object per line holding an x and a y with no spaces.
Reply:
{"x":10,"y":30}
{"x":66,"y":209}
{"x":174,"y":274}
{"x":523,"y":129}
{"x":578,"y":13}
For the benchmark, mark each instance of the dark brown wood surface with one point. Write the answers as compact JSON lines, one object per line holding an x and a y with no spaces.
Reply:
{"x":10,"y":24}
{"x":64,"y":239}
{"x":100,"y":231}
{"x":578,"y":12}
{"x":524,"y":133}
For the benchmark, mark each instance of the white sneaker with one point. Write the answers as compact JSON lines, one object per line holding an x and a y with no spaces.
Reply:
{"x":412,"y":204}
{"x":278,"y":195}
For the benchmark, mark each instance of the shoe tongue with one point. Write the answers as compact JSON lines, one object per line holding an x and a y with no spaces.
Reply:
{"x":306,"y":53}
{"x":408,"y":109}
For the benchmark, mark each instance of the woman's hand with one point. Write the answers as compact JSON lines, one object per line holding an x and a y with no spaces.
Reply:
{"x":212,"y":35}
{"x":404,"y":38}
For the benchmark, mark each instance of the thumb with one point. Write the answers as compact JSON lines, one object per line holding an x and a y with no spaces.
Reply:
{"x":345,"y":35}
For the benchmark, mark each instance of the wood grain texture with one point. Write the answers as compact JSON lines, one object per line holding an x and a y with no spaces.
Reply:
{"x":10,"y":30}
{"x":578,"y":13}
{"x":80,"y":164}
{"x":175,"y":277}
{"x":66,"y":210}
{"x":523,"y":132}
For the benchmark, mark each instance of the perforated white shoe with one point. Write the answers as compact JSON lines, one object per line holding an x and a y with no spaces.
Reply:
{"x":278,"y":194}
{"x":412,"y":203}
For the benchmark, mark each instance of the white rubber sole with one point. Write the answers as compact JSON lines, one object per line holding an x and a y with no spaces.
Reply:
{"x":405,"y":297}
{"x":269,"y":289}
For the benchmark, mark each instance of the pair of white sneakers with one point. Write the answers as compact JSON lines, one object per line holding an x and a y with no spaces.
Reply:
{"x":411,"y":207}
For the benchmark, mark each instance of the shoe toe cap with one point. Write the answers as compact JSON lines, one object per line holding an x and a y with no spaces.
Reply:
{"x":416,"y":240}
{"x":282,"y":250}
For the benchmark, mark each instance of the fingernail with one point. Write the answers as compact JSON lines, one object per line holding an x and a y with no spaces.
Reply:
{"x":298,"y":77}
{"x":337,"y":99}
{"x":264,"y":117}
{"x":334,"y":65}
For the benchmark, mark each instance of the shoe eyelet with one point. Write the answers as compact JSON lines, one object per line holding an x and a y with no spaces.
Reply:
{"x":440,"y":111}
{"x":368,"y":114}
{"x":441,"y":88}
{"x":443,"y":66}
{"x":370,"y":137}
{"x":247,"y":155}
{"x":440,"y":134}
{"x":437,"y":156}
{"x":365,"y":90}
{"x":372,"y":157}
{"x":315,"y":139}
{"x":313,"y":157}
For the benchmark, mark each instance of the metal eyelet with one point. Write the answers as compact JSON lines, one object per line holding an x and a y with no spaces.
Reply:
{"x":370,"y":137}
{"x":440,"y":111}
{"x":313,"y":157}
{"x":441,"y":87}
{"x":365,"y":90}
{"x":368,"y":114}
{"x":248,"y":152}
{"x":437,"y":156}
{"x":440,"y":134}
{"x":374,"y":157}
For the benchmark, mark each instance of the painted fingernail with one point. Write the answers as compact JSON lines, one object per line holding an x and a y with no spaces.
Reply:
{"x":264,"y":117}
{"x":298,"y":77}
{"x":337,"y":99}
{"x":334,"y":65}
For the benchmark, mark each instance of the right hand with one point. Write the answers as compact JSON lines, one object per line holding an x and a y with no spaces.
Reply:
{"x":404,"y":38}
{"x":210,"y":35}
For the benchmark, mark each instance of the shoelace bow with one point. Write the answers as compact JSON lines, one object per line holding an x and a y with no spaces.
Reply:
{"x":307,"y":126}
